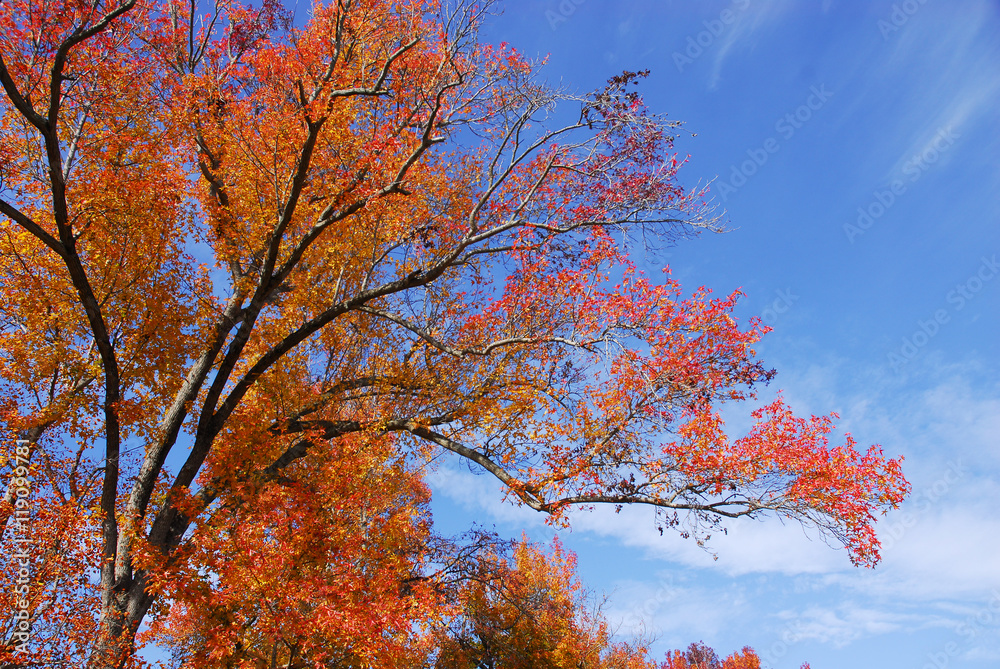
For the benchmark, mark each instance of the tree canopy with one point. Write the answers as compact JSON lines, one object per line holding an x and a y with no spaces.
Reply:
{"x":258,"y":275}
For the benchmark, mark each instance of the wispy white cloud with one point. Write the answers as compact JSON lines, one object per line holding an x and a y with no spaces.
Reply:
{"x":751,"y":21}
{"x":942,"y":91}
{"x":840,"y":625}
{"x":671,"y":606}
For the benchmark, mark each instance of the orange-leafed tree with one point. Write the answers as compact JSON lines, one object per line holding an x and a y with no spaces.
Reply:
{"x":700,"y":656}
{"x":528,"y":610}
{"x":248,"y":261}
{"x":321,"y":568}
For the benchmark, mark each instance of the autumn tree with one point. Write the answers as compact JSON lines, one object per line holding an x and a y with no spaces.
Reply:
{"x":322,"y":568}
{"x":528,"y":611}
{"x":478,"y":602}
{"x":700,"y":656}
{"x":249,"y":261}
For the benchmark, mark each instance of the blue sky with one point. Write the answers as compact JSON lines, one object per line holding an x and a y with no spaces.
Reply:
{"x":854,"y":147}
